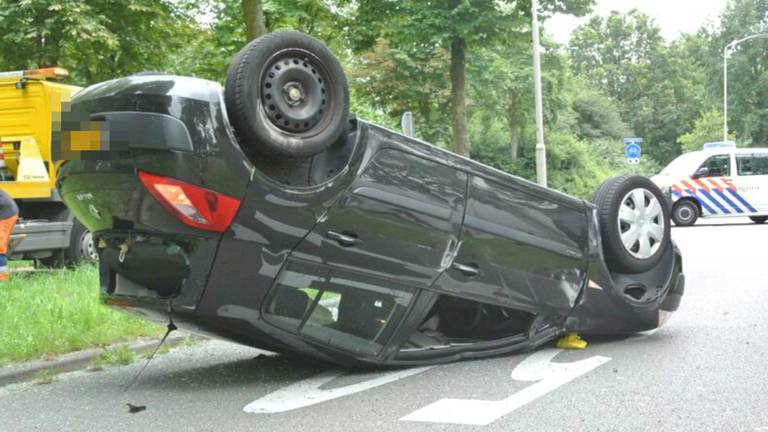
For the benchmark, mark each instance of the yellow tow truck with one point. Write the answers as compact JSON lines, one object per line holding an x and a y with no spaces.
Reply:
{"x":31,"y":102}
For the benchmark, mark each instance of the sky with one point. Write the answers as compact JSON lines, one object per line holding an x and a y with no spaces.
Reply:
{"x":672,"y":16}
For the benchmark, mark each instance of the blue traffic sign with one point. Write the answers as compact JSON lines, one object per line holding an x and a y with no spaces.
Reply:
{"x":632,"y":151}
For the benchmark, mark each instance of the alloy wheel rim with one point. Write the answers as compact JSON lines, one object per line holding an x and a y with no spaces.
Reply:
{"x":641,"y":223}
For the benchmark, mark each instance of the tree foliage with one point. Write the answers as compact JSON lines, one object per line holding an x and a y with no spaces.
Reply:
{"x":616,"y":78}
{"x":707,"y":128}
{"x":747,"y":69}
{"x":655,"y":85}
{"x":95,"y":39}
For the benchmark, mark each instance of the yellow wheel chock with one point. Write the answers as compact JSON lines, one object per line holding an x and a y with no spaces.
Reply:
{"x":571,"y":341}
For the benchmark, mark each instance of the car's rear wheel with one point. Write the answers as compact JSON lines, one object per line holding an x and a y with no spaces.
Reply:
{"x":758,"y":219}
{"x":287,"y":96}
{"x":685,"y":213}
{"x":634,"y":223}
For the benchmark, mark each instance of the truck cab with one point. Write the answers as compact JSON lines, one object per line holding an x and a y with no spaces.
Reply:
{"x":31,"y":103}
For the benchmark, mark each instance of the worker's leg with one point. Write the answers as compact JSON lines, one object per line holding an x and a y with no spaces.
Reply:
{"x":6,"y":227}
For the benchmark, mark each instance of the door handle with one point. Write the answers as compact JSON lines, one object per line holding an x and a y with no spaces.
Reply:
{"x":466,"y":269}
{"x":344,"y":239}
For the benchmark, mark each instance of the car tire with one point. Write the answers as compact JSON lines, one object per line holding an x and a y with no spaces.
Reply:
{"x":286,"y":96}
{"x":758,"y":219}
{"x":685,"y":213}
{"x":630,"y":203}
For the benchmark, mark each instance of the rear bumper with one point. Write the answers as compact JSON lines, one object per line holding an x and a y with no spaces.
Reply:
{"x":34,"y":236}
{"x":148,"y":273}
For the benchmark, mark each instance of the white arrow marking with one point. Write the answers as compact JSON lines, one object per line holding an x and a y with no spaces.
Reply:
{"x":308,"y":392}
{"x":537,"y":367}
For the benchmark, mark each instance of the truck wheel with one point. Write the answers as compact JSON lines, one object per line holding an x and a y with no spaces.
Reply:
{"x":82,"y":248}
{"x":286,"y":96}
{"x":634,"y":223}
{"x":685,"y":213}
{"x":758,"y":219}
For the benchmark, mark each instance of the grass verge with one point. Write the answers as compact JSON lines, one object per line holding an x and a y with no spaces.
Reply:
{"x":48,"y":313}
{"x":113,"y":356}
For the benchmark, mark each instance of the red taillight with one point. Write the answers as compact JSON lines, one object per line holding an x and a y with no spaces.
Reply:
{"x":195,"y":206}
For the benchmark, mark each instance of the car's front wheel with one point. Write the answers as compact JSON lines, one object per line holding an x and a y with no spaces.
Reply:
{"x":758,"y":219}
{"x":685,"y":213}
{"x":634,"y":223}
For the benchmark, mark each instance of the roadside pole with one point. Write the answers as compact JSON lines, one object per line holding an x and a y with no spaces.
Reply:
{"x":541,"y":150}
{"x":725,"y":92}
{"x":406,"y":123}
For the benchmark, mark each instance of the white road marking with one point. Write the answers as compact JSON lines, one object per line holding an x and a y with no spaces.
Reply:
{"x":308,"y":392}
{"x":537,"y":367}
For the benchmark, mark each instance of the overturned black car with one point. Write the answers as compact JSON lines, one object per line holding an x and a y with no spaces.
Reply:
{"x":265,"y":214}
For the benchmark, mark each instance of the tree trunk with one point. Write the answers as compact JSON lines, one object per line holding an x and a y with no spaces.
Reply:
{"x":458,"y":100}
{"x":514,"y":140}
{"x":254,"y":19}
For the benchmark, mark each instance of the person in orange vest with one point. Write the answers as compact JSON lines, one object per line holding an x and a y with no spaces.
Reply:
{"x":9,"y":212}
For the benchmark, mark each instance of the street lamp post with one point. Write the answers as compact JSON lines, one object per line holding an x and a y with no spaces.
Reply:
{"x":726,"y":50}
{"x":541,"y":150}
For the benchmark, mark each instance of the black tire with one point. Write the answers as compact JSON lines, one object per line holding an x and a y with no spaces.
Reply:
{"x":286,"y":96}
{"x":610,"y":197}
{"x":685,"y":213}
{"x":758,"y":219}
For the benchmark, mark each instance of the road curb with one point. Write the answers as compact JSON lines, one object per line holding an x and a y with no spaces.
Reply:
{"x":18,"y":372}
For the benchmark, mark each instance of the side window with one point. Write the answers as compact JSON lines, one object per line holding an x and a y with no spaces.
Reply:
{"x":346,"y":310}
{"x":718,"y":166}
{"x":752,"y":164}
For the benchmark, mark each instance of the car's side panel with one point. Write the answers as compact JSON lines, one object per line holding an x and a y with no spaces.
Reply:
{"x":400,"y":219}
{"x":271,"y":222}
{"x":528,"y":252}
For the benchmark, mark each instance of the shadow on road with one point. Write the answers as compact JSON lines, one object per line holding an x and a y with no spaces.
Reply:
{"x":262,"y":370}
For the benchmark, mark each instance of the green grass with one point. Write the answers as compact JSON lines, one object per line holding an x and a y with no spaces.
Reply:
{"x":45,"y":376}
{"x":21,"y":264}
{"x":113,"y":356}
{"x":48,"y":313}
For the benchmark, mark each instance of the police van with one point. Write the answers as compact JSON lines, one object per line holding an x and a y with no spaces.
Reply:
{"x":718,"y":181}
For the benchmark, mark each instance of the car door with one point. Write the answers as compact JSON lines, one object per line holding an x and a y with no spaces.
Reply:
{"x":519,"y":248}
{"x":712,"y":184}
{"x":751,"y":182}
{"x":400,"y":219}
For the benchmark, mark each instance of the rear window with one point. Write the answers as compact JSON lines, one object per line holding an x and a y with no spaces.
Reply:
{"x":752,"y":164}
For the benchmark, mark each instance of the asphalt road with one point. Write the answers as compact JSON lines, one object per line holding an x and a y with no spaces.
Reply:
{"x":704,"y":371}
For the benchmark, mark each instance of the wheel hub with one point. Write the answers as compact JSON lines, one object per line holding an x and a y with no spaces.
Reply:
{"x":293,"y":92}
{"x":641,"y":223}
